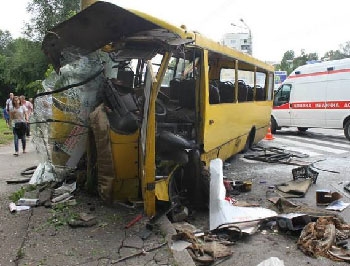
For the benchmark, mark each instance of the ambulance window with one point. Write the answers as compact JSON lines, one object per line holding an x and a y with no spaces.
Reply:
{"x":282,"y":95}
{"x":285,"y":92}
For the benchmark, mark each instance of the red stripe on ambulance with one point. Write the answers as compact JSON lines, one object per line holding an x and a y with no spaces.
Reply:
{"x":321,"y":105}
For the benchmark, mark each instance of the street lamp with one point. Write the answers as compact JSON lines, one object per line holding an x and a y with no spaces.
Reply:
{"x":250,"y":39}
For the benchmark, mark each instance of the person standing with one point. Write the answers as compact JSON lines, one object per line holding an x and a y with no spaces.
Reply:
{"x":19,"y":119}
{"x":9,"y":102}
{"x":29,"y":107}
{"x":6,"y":117}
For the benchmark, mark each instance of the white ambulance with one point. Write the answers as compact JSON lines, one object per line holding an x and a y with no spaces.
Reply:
{"x":314,"y":96}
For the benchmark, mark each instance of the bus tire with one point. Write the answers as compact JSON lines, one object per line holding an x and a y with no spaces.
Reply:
{"x":347,"y":130}
{"x":249,"y":142}
{"x":273,"y":126}
{"x":302,"y":129}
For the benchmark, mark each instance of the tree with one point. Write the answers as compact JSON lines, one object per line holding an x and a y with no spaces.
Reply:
{"x":345,"y":49}
{"x":333,"y":55}
{"x":46,"y":14}
{"x":5,"y":39}
{"x":23,"y":64}
{"x":290,"y":62}
{"x":287,"y":61}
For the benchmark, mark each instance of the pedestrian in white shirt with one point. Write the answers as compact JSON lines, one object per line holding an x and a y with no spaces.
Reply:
{"x":19,"y":120}
{"x":9,"y":102}
{"x":29,"y":107}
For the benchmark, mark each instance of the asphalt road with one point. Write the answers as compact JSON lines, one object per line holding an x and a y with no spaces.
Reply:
{"x":329,"y":152}
{"x":44,"y":244}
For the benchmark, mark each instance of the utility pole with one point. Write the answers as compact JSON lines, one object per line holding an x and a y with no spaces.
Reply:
{"x":249,"y":39}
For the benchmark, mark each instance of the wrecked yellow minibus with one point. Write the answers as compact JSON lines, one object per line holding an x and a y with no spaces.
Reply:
{"x":144,"y":105}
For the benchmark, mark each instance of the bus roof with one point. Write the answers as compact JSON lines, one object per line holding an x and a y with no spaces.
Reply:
{"x":104,"y":23}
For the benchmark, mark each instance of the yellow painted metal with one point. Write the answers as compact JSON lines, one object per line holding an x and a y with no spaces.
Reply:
{"x":219,"y":127}
{"x":125,"y":159}
{"x":148,"y":177}
{"x":59,"y":133}
{"x":85,"y":3}
{"x":214,"y":46}
{"x":236,"y":81}
{"x":162,"y":186}
{"x":161,"y":191}
{"x":182,"y":32}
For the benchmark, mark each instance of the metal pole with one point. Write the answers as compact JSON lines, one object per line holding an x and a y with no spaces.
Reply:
{"x":250,"y":38}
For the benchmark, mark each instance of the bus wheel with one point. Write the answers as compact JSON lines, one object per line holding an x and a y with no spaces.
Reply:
{"x":302,"y":129}
{"x":273,"y":125}
{"x":249,"y":142}
{"x":347,"y":130}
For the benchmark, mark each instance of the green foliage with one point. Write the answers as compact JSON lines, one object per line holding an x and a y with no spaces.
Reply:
{"x":26,"y":64}
{"x":47,"y":14}
{"x":49,"y":70}
{"x":5,"y":39}
{"x":21,"y":64}
{"x":289,"y":62}
{"x":15,"y":196}
{"x":6,"y":135}
{"x":61,"y":215}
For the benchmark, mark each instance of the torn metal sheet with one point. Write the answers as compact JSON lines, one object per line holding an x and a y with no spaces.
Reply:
{"x":337,"y":205}
{"x":103,"y":23}
{"x":221,"y":211}
{"x":293,"y":221}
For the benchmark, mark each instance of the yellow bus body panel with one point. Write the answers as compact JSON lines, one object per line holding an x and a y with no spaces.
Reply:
{"x":125,"y":159}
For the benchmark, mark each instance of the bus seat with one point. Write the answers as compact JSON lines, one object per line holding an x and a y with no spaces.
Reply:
{"x":260,"y":93}
{"x":127,"y":77}
{"x":214,"y":94}
{"x":187,"y":93}
{"x":242,"y":92}
{"x":174,"y":89}
{"x":227,"y":92}
{"x":250,"y":96}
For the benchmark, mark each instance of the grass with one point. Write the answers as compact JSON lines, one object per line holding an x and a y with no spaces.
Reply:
{"x":15,"y":196}
{"x":6,"y":135}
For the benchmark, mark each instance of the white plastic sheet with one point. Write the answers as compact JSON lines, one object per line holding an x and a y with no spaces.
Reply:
{"x":272,"y":261}
{"x":42,"y":174}
{"x":221,"y":211}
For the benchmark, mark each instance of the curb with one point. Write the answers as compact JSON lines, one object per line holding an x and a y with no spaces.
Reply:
{"x":182,"y":258}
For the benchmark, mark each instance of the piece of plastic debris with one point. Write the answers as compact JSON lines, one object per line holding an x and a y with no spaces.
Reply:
{"x":61,"y":197}
{"x":28,"y":202}
{"x":134,"y":221}
{"x":14,"y":208}
{"x":272,"y":261}
{"x":223,"y":212}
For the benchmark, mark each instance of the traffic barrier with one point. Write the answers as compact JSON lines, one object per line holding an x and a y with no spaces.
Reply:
{"x":269,"y":135}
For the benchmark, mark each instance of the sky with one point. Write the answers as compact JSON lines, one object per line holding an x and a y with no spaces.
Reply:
{"x":276,"y":25}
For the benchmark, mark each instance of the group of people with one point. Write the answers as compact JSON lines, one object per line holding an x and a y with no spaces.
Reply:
{"x":16,"y":113}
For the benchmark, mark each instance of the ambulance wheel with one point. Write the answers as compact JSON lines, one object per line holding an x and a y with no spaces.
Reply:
{"x":347,"y":130}
{"x":273,"y":125}
{"x":302,"y":129}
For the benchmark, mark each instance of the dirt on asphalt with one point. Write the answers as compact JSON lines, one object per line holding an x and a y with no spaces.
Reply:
{"x":42,"y":236}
